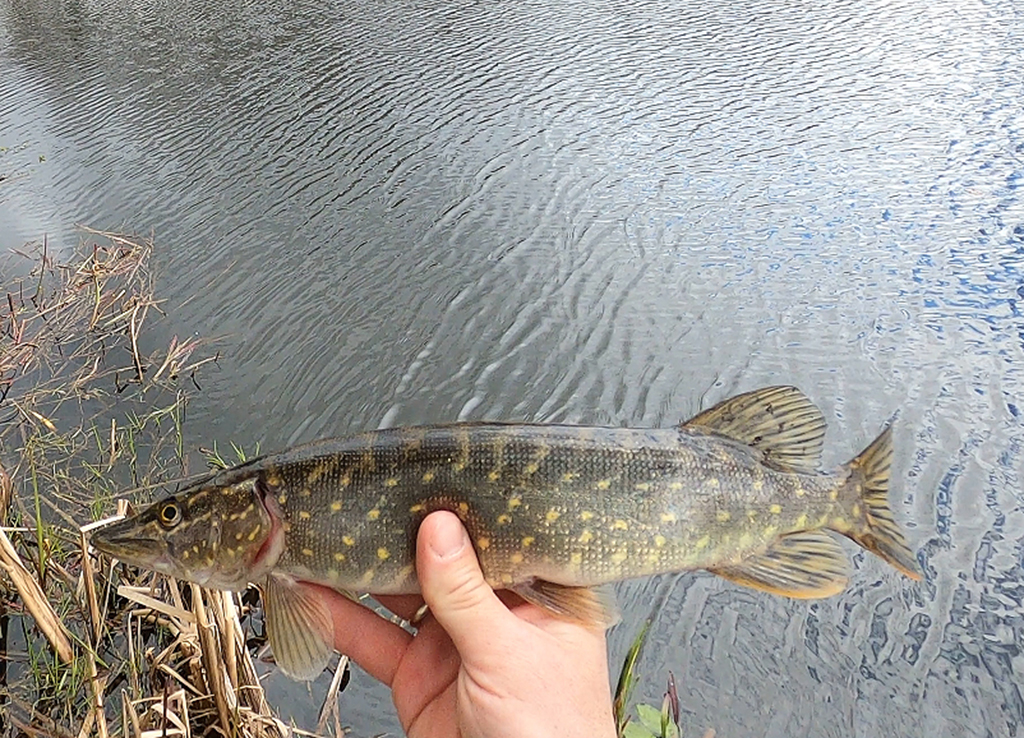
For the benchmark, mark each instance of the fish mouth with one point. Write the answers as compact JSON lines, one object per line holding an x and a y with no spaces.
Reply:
{"x":122,"y":541}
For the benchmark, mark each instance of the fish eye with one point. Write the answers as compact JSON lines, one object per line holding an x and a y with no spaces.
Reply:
{"x":170,"y":514}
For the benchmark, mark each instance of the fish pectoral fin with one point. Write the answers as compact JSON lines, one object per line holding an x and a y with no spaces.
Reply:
{"x":780,"y":422}
{"x":804,"y":565}
{"x":299,"y":627}
{"x":593,"y":607}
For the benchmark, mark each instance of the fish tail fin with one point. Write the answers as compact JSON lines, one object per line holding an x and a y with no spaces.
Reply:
{"x":875,"y":528}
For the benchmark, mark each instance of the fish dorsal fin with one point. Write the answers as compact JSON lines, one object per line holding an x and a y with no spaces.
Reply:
{"x":299,"y":627}
{"x":780,"y":422}
{"x":805,"y":565}
{"x":591,"y":606}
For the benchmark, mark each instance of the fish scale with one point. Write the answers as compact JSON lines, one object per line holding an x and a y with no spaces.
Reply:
{"x":554,"y":512}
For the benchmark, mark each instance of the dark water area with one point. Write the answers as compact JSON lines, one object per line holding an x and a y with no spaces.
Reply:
{"x":409,"y":212}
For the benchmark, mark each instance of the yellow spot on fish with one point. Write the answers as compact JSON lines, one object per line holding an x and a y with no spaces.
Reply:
{"x":516,"y":558}
{"x":367,"y":578}
{"x":659,"y":541}
{"x":775,"y":509}
{"x":576,"y":558}
{"x":668,"y":517}
{"x":514,"y":503}
{"x":184,"y":554}
{"x":619,"y":556}
{"x":239,"y":535}
{"x":586,"y":536}
{"x":348,"y":540}
{"x":801,"y":522}
{"x":752,"y":514}
{"x":339,"y":556}
{"x":506,"y":578}
{"x":391,"y":482}
{"x":532,"y":467}
{"x":462,"y":438}
{"x":463,"y":508}
{"x":800,"y":491}
{"x":620,"y":525}
{"x":840,"y":524}
{"x":569,"y":476}
{"x":722,"y":516}
{"x":586,"y":515}
{"x":304,"y":514}
{"x":834,"y":495}
{"x":702,"y":543}
{"x":483,"y":543}
{"x":373,"y":514}
{"x":336,"y":505}
{"x":551,"y":516}
{"x":642,"y":487}
{"x":494,"y":475}
{"x":318,"y":471}
{"x":305,"y":492}
{"x":604,"y":484}
{"x":418,"y":507}
{"x":383,"y":553}
{"x":195,"y":549}
{"x":273,"y":478}
{"x":746,"y":540}
{"x":255,"y":532}
{"x":345,"y":480}
{"x":856,"y":511}
{"x":712,"y":482}
{"x":282,"y":498}
{"x":307,"y":552}
{"x":528,"y":541}
{"x":757,"y":484}
{"x":428,"y":477}
{"x":675,"y":486}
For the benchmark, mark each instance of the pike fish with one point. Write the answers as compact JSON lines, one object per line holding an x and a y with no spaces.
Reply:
{"x":554,"y":512}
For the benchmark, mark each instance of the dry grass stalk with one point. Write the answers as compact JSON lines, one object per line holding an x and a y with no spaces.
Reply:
{"x":35,"y":601}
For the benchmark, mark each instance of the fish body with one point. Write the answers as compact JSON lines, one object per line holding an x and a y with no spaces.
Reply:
{"x":553,"y":511}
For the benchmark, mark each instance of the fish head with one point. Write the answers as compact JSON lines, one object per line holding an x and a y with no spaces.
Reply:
{"x":221,"y":536}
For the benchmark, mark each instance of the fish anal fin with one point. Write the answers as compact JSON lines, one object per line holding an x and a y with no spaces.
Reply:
{"x":780,"y":422}
{"x":805,"y":565}
{"x":299,"y":627}
{"x":591,"y":606}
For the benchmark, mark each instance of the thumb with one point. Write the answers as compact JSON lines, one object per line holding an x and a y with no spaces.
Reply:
{"x":453,"y":584}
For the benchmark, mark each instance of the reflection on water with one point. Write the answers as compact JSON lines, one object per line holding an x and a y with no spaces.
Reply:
{"x":415,"y":211}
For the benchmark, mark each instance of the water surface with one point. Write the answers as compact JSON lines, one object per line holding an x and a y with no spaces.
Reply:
{"x":408,"y":212}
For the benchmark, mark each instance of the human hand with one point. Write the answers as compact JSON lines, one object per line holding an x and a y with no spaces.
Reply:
{"x":477,"y":667}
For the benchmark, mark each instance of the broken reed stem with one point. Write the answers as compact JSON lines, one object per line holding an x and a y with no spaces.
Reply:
{"x":35,"y":600}
{"x":90,"y":590}
{"x":97,"y":684}
{"x":212,"y":663}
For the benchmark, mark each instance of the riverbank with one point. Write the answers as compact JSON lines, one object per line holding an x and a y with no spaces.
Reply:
{"x":88,"y":412}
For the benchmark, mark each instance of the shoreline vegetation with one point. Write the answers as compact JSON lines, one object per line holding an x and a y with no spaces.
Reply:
{"x":90,"y":413}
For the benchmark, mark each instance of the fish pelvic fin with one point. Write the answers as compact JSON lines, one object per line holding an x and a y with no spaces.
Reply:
{"x":299,"y":627}
{"x":593,"y":607}
{"x":877,"y":530}
{"x":780,"y":422}
{"x":805,"y":565}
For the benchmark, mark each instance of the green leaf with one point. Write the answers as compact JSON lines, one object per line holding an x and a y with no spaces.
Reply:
{"x":636,"y":730}
{"x":650,"y":717}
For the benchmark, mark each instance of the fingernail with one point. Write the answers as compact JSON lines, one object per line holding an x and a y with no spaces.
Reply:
{"x":449,"y":539}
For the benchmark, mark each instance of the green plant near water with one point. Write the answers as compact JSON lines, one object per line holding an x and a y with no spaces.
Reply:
{"x":650,"y":721}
